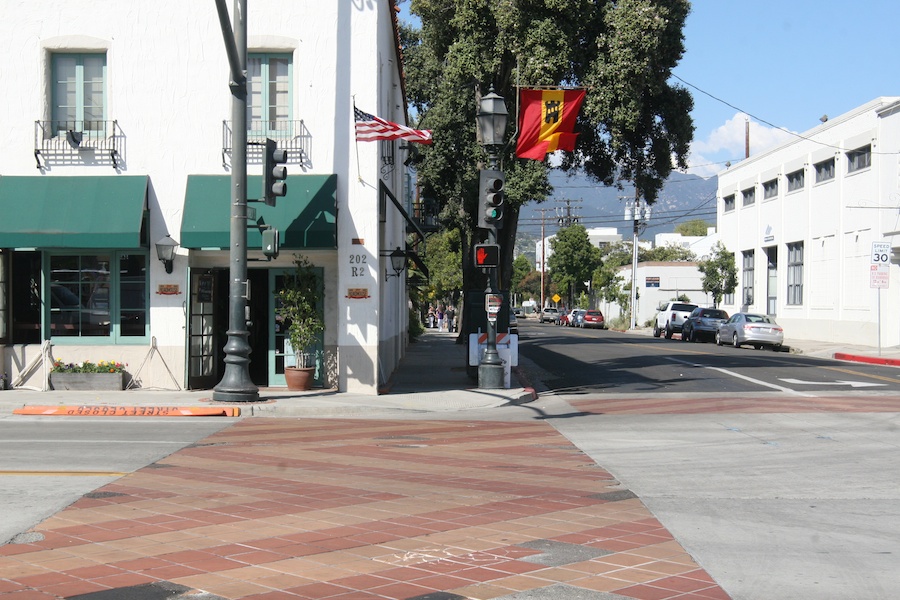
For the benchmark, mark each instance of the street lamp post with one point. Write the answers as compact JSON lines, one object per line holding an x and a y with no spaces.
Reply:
{"x":492,"y":115}
{"x":236,"y":385}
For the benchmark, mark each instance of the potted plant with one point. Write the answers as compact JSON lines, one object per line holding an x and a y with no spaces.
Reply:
{"x":103,"y":375}
{"x":295,"y":303}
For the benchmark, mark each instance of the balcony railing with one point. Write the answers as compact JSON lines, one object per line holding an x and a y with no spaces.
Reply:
{"x":292,"y":136}
{"x":78,"y":142}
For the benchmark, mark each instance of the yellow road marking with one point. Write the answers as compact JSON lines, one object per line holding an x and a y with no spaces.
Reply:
{"x":870,"y":376}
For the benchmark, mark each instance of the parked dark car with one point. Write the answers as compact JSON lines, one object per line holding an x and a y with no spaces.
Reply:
{"x":702,"y":323}
{"x":751,"y":329}
{"x":593,"y":319}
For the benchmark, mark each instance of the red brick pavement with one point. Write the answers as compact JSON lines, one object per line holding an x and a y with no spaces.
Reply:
{"x":357,"y":510}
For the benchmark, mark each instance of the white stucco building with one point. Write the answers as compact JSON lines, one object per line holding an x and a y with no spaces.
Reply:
{"x":802,"y":219}
{"x":119,"y":134}
{"x":598,"y":236}
{"x":700,"y":245}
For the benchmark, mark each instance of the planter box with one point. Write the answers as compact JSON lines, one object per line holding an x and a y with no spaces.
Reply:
{"x":87,"y":381}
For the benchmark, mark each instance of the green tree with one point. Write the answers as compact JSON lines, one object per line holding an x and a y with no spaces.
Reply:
{"x":521,"y":268}
{"x":665,"y":253}
{"x":573,"y":260}
{"x":530,"y":286}
{"x":694,"y":227}
{"x":635,"y":123}
{"x":443,"y":261}
{"x":719,"y":273}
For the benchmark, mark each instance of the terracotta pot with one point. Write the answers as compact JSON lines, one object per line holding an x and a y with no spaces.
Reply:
{"x":299,"y":379}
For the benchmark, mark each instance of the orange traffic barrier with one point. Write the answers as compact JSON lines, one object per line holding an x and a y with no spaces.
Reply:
{"x":130,"y":411}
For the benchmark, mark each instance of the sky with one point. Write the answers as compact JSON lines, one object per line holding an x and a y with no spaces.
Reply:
{"x":782,"y":65}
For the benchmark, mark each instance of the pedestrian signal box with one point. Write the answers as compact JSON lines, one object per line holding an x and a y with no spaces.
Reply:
{"x":487,"y":255}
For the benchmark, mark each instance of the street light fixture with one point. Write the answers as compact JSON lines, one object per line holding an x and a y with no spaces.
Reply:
{"x":165,"y":252}
{"x":492,"y":115}
{"x":398,"y":263}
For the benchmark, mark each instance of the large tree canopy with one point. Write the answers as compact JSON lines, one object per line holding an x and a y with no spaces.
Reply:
{"x":635,"y":124}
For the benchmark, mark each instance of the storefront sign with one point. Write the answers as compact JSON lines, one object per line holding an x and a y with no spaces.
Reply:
{"x":168,"y":289}
{"x":357,"y":293}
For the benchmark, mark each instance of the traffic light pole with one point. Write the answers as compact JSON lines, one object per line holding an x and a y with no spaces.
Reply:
{"x":236,"y":385}
{"x":490,"y":370}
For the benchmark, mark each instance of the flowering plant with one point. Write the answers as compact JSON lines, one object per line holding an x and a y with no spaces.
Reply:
{"x":103,"y":366}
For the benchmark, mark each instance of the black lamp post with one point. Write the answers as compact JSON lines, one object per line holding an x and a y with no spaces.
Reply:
{"x":492,"y":115}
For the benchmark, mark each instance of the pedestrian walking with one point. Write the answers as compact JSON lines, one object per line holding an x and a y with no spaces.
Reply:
{"x":451,"y":318}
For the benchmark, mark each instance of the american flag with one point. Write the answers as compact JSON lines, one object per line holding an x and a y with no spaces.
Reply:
{"x":370,"y":128}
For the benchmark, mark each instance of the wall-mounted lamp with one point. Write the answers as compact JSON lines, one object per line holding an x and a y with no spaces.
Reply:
{"x":165,"y":251}
{"x":398,"y":263}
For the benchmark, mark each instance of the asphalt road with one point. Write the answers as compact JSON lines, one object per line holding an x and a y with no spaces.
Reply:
{"x":46,"y":464}
{"x":777,"y":472}
{"x":574,"y":360}
{"x":784,"y":485}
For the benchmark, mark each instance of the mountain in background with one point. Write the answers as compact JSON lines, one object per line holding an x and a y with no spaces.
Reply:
{"x":683,"y":198}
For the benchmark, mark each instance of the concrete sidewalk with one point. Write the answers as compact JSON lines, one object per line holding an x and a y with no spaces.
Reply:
{"x":431,"y":378}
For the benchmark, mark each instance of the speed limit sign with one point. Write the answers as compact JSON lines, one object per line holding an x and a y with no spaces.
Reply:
{"x":881,"y":253}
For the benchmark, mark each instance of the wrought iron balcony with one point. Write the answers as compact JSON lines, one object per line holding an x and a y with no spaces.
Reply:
{"x":77,"y":143}
{"x":292,"y":136}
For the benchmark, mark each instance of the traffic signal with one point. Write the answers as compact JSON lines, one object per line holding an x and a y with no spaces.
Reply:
{"x":491,"y":195}
{"x":273,"y":173}
{"x":487,"y":255}
{"x":271,"y":242}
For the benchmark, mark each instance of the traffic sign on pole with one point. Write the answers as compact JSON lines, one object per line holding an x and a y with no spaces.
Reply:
{"x":881,"y":253}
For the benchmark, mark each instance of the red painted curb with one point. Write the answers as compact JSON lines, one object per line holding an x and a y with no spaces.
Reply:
{"x":872,"y":360}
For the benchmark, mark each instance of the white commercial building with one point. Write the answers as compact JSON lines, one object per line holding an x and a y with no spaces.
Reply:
{"x":117,"y":132}
{"x":811,"y":223}
{"x":598,"y":236}
{"x":657,"y":283}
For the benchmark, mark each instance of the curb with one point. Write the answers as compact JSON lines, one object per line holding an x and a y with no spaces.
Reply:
{"x":872,"y":360}
{"x":129,"y":411}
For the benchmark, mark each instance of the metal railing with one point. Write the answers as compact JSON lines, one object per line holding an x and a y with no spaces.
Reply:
{"x":292,"y":136}
{"x":66,"y":142}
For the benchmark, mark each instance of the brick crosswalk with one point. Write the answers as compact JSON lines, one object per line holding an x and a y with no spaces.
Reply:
{"x":357,"y":510}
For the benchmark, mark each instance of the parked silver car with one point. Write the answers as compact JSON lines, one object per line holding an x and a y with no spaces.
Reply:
{"x":550,"y":314}
{"x":751,"y":329}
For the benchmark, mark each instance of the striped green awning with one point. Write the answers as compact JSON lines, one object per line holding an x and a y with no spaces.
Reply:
{"x":305,"y":218}
{"x":72,"y":212}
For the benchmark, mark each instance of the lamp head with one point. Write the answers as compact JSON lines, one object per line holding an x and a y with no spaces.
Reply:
{"x":492,"y":115}
{"x":165,"y":252}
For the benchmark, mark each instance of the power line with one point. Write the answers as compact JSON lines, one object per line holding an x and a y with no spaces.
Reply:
{"x":770,"y":124}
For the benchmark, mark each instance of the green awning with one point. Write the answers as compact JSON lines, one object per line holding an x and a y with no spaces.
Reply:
{"x":305,"y":217}
{"x":72,"y":212}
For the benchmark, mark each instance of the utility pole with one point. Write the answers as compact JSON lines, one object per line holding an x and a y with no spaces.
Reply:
{"x":236,"y":385}
{"x":564,"y":220}
{"x":637,"y":211}
{"x":543,"y":212}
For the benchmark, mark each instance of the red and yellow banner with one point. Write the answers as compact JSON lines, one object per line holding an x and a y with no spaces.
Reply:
{"x":547,"y":122}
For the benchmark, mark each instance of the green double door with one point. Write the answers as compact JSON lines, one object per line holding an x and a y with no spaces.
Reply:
{"x":209,"y":323}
